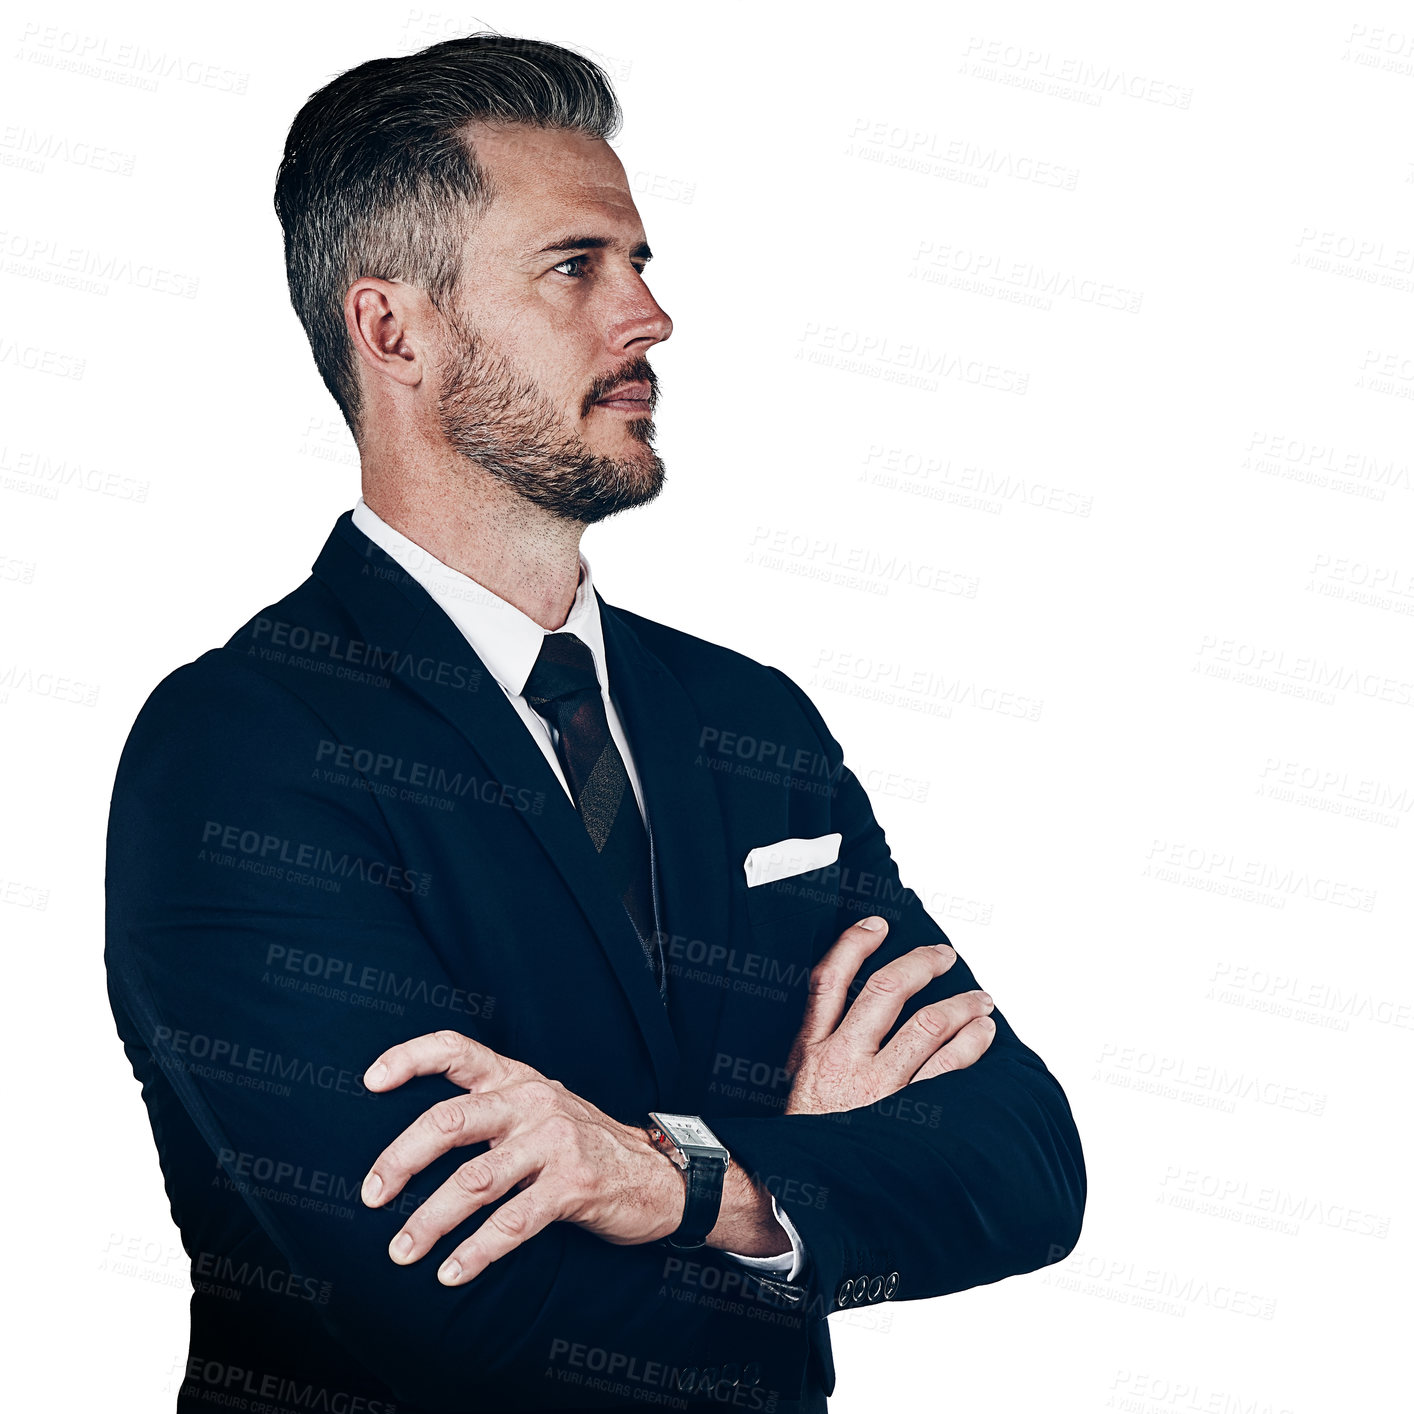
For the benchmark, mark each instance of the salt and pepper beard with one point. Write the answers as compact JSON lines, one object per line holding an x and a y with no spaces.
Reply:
{"x":505,"y":425}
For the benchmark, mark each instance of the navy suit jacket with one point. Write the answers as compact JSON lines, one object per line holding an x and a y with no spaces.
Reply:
{"x":334,"y":833}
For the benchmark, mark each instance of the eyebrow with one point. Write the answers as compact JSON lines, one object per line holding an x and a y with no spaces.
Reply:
{"x":641,"y":250}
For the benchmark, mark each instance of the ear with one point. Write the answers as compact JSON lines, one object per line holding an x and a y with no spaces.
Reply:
{"x":385,"y":322}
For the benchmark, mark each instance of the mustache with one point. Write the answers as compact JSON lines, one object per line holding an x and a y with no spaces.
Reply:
{"x":637,"y":370}
{"x":473,"y":362}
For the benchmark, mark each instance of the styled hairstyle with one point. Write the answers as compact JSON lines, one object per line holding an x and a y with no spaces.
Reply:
{"x":378,"y":177}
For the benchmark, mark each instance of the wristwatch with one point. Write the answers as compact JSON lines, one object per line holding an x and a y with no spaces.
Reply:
{"x":687,"y":1141}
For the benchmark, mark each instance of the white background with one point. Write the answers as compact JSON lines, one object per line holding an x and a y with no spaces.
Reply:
{"x":1122,"y":304}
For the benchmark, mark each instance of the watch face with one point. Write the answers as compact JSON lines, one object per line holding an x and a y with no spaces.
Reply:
{"x":687,"y":1131}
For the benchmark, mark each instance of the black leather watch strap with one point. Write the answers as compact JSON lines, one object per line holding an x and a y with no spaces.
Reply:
{"x":704,"y":1202}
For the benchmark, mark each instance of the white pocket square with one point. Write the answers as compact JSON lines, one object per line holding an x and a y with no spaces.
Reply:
{"x":769,"y":862}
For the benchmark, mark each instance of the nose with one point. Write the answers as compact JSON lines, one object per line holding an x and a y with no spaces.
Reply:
{"x":642,"y":321}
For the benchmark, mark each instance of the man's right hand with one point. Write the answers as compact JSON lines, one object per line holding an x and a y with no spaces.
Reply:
{"x":839,"y":1062}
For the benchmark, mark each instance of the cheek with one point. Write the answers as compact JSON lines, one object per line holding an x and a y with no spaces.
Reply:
{"x":558,"y":366}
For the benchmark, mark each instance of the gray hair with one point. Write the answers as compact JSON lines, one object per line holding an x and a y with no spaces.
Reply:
{"x":379,"y":179}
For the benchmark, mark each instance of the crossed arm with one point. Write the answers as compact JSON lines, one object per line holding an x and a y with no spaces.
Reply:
{"x":573,"y":1163}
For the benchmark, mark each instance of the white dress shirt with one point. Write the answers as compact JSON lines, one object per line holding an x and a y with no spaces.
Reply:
{"x":508,"y":642}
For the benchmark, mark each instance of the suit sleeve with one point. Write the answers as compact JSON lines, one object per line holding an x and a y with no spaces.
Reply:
{"x":956,"y":1181}
{"x":229,"y":859}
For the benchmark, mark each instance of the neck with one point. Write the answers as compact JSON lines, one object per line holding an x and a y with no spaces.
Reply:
{"x":482,"y":528}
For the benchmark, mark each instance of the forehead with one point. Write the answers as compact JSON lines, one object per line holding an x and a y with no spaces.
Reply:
{"x":544,"y":177}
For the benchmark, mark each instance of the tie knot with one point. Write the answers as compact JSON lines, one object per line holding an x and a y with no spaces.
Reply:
{"x":563,"y":668}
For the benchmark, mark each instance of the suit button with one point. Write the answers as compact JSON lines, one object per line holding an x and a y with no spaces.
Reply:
{"x":846,"y":1292}
{"x":890,"y":1285}
{"x":875,"y":1288}
{"x":751,"y":1373}
{"x":731,"y":1373}
{"x":861,"y":1288}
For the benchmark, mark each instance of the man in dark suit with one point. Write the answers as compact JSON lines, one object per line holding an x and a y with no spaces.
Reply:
{"x":449,"y":916}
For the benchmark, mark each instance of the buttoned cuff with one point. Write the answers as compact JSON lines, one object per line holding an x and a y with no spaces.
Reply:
{"x":788,"y":1263}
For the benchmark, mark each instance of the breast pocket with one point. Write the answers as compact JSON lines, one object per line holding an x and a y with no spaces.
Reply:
{"x":789,"y":877}
{"x":793,"y":897}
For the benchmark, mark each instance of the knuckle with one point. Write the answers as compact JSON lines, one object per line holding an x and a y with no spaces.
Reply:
{"x":445,"y":1118}
{"x":884,"y":982}
{"x":931,"y":1023}
{"x":513,"y":1220}
{"x":473,"y":1178}
{"x":543,"y":1094}
{"x":559,"y":1129}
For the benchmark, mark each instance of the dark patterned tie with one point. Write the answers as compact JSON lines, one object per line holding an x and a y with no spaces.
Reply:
{"x":564,"y":689}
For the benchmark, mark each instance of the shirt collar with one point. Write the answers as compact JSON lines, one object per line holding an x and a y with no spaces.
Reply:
{"x":505,"y":639}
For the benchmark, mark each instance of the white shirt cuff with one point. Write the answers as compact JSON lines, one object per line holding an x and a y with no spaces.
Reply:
{"x":794,"y":1259}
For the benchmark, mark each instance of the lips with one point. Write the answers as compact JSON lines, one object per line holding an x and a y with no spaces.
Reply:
{"x":627,"y":393}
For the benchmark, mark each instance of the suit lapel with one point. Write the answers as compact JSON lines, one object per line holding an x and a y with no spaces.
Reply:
{"x":432,"y":658}
{"x":664,"y":733}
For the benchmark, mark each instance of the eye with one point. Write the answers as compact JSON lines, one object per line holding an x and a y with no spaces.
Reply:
{"x":582,"y":260}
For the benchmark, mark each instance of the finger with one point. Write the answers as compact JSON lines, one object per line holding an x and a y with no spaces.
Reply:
{"x":510,"y":1225}
{"x":929,"y":1028}
{"x":477,"y":1182}
{"x":832,"y":976}
{"x":466,"y":1062}
{"x":450,"y":1124}
{"x":874,"y":1011}
{"x":963,"y":1050}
